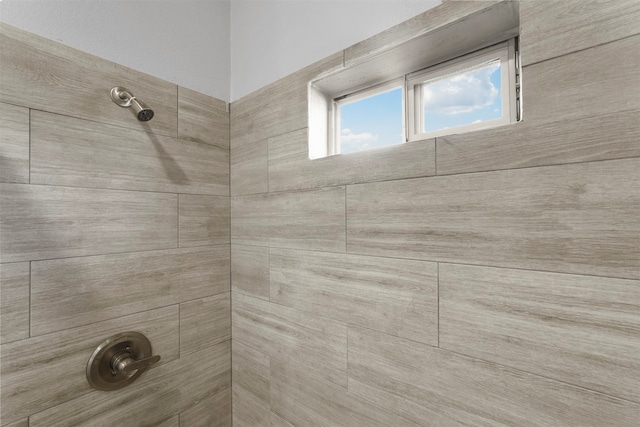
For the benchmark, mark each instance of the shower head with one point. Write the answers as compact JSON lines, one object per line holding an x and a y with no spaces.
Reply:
{"x":124,"y":98}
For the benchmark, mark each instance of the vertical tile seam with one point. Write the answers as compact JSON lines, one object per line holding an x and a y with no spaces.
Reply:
{"x":178,"y":221}
{"x":177,"y":111}
{"x":179,"y":331}
{"x":346,"y":248}
{"x":435,"y":156}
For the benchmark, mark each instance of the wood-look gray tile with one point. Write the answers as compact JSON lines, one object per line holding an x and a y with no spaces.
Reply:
{"x":299,"y":220}
{"x":204,"y":322}
{"x":536,"y":143}
{"x":249,"y":413}
{"x":109,"y":286}
{"x":21,"y":423}
{"x":250,"y":270}
{"x":48,"y":76}
{"x":290,"y":167}
{"x":434,"y":387}
{"x":429,"y":21}
{"x":161,"y":392}
{"x":395,"y":296}
{"x":581,"y":330}
{"x":316,"y":344}
{"x":250,"y":372}
{"x":202,"y":118}
{"x":279,"y":107}
{"x":306,"y":401}
{"x":14,"y":144}
{"x":43,"y":222}
{"x":277,"y":421}
{"x":171,"y":422}
{"x":213,"y":411}
{"x":82,"y":153}
{"x":579,"y":218}
{"x":567,"y":86}
{"x":42,"y":372}
{"x":204,"y":220}
{"x":554,"y":28}
{"x":249,"y":168}
{"x":14,"y":301}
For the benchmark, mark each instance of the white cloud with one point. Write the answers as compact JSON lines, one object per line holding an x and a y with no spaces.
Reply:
{"x":462,"y":93}
{"x":350,"y":141}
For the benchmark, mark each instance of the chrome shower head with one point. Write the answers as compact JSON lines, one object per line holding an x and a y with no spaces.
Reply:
{"x":124,"y":98}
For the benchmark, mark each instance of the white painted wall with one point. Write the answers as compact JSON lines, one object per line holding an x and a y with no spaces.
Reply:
{"x":183,"y":41}
{"x":223,"y":48}
{"x":273,"y":38}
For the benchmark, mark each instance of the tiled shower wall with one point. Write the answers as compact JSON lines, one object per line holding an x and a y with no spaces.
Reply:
{"x":488,"y":278}
{"x":110,"y":225}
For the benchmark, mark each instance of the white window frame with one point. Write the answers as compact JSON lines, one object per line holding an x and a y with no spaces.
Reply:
{"x":413,"y":107}
{"x":337,"y":103}
{"x":504,"y":52}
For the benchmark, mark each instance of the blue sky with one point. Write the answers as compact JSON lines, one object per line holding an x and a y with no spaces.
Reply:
{"x":461,"y":99}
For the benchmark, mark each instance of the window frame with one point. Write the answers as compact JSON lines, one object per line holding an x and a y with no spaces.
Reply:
{"x":505,"y":52}
{"x":334,"y":119}
{"x":412,"y":107}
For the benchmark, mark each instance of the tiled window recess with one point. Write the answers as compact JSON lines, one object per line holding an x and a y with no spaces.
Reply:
{"x":481,"y":278}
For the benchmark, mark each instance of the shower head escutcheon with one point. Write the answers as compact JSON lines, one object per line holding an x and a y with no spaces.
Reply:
{"x":124,"y":98}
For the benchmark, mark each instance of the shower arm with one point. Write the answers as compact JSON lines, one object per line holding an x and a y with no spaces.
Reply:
{"x":124,"y":98}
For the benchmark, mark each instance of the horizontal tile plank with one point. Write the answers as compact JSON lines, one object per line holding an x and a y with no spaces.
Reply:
{"x":552,"y":28}
{"x":581,"y":330}
{"x":298,"y":220}
{"x":171,"y":422}
{"x":213,"y":411}
{"x":82,"y":153}
{"x":249,"y":413}
{"x":536,"y":143}
{"x":250,"y":270}
{"x":396,"y":296}
{"x":290,"y":167}
{"x":42,"y":222}
{"x":203,"y":220}
{"x":433,"y":387}
{"x":306,"y":401}
{"x":14,"y":301}
{"x":108,"y":286}
{"x":279,"y":107}
{"x":251,"y":373}
{"x":277,"y":421}
{"x":48,"y":76}
{"x":41,"y":372}
{"x":204,"y":322}
{"x":202,"y":118}
{"x":14,"y":144}
{"x":316,"y":344}
{"x":250,"y":168}
{"x":567,"y":86}
{"x":579,"y":218}
{"x":21,"y":423}
{"x":161,"y":392}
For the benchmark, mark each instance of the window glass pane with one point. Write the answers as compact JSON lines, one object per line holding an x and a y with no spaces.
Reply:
{"x":371,"y":122}
{"x":462,"y":99}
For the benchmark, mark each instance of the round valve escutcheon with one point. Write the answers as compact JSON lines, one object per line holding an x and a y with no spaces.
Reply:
{"x":119,"y":361}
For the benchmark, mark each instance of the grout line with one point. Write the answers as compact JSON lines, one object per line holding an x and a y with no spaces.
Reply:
{"x":346,"y":234}
{"x":435,"y":156}
{"x":120,"y":189}
{"x":179,"y":332}
{"x":177,"y":112}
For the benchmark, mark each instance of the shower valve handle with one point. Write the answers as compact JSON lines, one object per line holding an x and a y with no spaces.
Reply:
{"x":125,"y":362}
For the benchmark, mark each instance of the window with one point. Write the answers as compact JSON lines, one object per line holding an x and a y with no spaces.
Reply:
{"x":455,"y":77}
{"x":476,"y":91}
{"x":369,"y":119}
{"x":473,"y":92}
